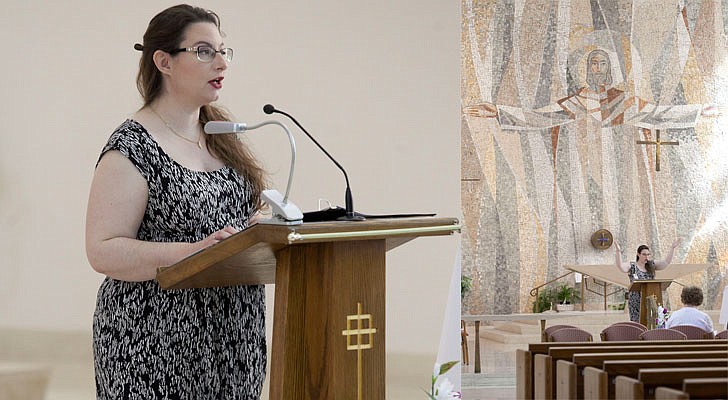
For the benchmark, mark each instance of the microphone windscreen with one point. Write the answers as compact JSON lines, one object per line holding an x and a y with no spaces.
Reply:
{"x":217,"y":127}
{"x":268,"y":108}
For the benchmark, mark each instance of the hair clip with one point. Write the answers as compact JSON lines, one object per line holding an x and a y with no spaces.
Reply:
{"x":139,"y":47}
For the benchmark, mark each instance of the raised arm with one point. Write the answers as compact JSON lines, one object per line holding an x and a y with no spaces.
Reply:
{"x":662,"y":264}
{"x":117,"y":201}
{"x":624,"y":267}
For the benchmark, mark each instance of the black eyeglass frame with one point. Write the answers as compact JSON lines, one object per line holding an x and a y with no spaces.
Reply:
{"x":223,"y":52}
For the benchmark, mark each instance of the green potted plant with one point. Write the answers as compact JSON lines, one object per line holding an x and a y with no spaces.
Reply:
{"x":566,"y":296}
{"x":545,"y":300}
{"x":466,"y":283}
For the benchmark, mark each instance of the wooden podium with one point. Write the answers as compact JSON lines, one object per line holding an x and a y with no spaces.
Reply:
{"x":649,"y":287}
{"x":329,"y":316}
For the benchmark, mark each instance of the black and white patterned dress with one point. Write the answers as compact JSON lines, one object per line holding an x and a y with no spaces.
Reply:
{"x":635,"y":274}
{"x":179,"y":344}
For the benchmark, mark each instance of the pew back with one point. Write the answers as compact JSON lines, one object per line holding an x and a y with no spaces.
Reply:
{"x":571,"y":377}
{"x":706,"y":388}
{"x":650,"y":378}
{"x":674,"y":376}
{"x":597,"y":359}
{"x":526,"y":361}
{"x":544,"y":372}
{"x":633,"y":367}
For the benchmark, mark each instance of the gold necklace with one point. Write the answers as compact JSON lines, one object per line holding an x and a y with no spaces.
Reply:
{"x":199,"y":138}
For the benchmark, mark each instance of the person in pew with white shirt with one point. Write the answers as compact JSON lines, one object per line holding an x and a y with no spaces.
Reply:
{"x":691,"y":297}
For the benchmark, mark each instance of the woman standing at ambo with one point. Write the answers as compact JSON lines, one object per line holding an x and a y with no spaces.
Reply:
{"x":642,"y":268}
{"x":163,"y":190}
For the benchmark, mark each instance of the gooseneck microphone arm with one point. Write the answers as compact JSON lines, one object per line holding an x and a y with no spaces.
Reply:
{"x":284,"y":211}
{"x":293,"y":153}
{"x":223,"y":127}
{"x":348,"y":198}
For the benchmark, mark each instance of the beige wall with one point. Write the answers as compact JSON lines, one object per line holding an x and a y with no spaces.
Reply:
{"x":376,"y":82}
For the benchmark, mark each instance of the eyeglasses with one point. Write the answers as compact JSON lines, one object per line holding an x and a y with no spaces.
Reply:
{"x":207,"y":53}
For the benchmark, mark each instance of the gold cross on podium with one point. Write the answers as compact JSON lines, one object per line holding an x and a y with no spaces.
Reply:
{"x":657,"y":143}
{"x":359,"y":346}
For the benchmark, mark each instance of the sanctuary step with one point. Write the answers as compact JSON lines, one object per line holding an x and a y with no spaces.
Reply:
{"x":23,"y":381}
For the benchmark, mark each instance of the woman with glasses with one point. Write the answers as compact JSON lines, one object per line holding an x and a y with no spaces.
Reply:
{"x":163,"y":190}
{"x":642,"y":268}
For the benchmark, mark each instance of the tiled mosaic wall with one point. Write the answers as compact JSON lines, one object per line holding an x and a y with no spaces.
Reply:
{"x":556,"y":94}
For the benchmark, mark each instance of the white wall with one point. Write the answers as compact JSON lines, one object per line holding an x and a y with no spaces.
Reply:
{"x":376,"y":82}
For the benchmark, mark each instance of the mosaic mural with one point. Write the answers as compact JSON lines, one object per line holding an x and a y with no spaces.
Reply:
{"x":556,"y":95}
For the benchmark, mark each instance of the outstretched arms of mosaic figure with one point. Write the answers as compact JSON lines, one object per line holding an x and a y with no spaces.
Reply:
{"x":520,"y":118}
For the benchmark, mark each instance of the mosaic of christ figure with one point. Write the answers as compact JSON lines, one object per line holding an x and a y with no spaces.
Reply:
{"x":582,"y":152}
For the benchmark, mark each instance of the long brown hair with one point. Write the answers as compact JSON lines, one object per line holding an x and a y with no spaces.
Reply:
{"x":165,"y":32}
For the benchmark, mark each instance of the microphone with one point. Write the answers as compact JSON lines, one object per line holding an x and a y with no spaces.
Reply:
{"x":350,"y":215}
{"x":284,"y":211}
{"x":218,"y":127}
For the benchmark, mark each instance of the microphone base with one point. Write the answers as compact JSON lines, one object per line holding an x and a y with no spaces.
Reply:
{"x":351,"y":218}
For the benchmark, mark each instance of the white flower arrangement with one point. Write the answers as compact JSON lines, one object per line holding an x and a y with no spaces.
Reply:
{"x":443,"y":390}
{"x":663,"y":314}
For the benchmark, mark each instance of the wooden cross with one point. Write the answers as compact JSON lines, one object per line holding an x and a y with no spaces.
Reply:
{"x":657,"y":143}
{"x":359,"y":346}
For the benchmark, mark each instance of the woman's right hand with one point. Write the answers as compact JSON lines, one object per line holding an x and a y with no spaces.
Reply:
{"x":217,"y":237}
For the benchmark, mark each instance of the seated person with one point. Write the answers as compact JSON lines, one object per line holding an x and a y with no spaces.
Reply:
{"x":691,"y":297}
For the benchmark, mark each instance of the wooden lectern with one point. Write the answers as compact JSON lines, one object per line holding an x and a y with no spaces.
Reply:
{"x":329,"y":316}
{"x":648,"y":287}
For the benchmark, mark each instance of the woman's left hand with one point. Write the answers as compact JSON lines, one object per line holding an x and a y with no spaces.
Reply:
{"x":676,"y":242}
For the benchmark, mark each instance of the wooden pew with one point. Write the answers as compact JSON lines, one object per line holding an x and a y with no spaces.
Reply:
{"x":524,"y":374}
{"x":526,"y":359}
{"x":628,"y":388}
{"x":544,"y":372}
{"x":695,"y":388}
{"x":665,"y":393}
{"x":648,"y":379}
{"x":571,"y":376}
{"x":632,"y":368}
{"x":706,"y":388}
{"x":598,"y":384}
